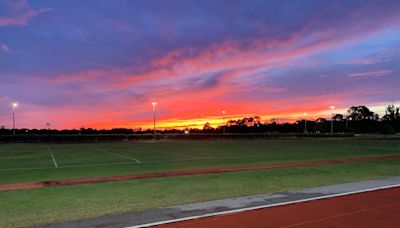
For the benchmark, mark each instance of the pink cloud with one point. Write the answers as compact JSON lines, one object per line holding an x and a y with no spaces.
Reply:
{"x":379,"y":73}
{"x":258,"y":55}
{"x":162,"y":80}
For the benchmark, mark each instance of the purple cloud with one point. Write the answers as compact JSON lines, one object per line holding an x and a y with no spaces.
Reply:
{"x":19,"y":13}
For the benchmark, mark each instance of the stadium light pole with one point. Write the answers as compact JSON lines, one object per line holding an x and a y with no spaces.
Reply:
{"x":332,"y":108}
{"x":223,"y":121}
{"x":14,"y":106}
{"x":305,"y":122}
{"x":154,"y":104}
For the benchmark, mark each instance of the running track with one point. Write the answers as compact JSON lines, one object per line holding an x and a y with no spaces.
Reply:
{"x":372,"y":209}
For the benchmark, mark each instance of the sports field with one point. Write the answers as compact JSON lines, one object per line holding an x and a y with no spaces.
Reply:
{"x":39,"y":162}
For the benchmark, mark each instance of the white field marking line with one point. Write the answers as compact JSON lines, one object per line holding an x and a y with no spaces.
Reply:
{"x":52,"y":157}
{"x":70,"y":166}
{"x":120,"y":163}
{"x":99,"y":164}
{"x":263,"y":206}
{"x":119,"y":155}
{"x":22,"y":169}
{"x":109,"y":164}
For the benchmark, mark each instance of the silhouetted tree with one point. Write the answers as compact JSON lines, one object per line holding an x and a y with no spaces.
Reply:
{"x":363,"y":120}
{"x":391,"y":120}
{"x":357,"y":113}
{"x":338,"y":117}
{"x":207,"y":126}
{"x":391,"y":113}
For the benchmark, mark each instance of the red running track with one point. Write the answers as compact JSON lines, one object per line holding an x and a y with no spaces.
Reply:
{"x":372,"y":209}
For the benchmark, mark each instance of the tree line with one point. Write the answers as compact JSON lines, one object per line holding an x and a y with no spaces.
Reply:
{"x":358,"y":119}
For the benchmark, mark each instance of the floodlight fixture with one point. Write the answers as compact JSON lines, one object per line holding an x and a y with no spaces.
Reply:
{"x":332,"y":107}
{"x":14,"y":106}
{"x":154,"y":104}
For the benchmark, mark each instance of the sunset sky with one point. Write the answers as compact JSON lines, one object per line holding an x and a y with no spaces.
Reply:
{"x":101,"y":63}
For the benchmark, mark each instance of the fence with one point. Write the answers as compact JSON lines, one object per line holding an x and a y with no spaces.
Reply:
{"x":93,"y":138}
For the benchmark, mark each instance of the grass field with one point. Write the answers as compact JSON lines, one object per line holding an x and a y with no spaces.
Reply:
{"x":32,"y":162}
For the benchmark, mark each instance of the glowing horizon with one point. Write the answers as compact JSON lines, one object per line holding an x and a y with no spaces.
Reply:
{"x":88,"y":64}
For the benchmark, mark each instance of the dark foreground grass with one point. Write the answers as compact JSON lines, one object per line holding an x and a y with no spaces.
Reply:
{"x":46,"y":205}
{"x":32,"y":162}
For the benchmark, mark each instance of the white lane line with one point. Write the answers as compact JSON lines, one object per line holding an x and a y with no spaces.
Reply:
{"x":119,"y":155}
{"x":52,"y":157}
{"x":263,"y":206}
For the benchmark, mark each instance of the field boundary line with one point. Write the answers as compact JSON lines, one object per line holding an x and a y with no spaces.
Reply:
{"x":116,"y":154}
{"x":263,"y":206}
{"x":108,"y":164}
{"x":52,"y":157}
{"x":70,"y":166}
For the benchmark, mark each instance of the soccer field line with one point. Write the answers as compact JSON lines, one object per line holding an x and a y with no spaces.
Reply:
{"x":70,"y":166}
{"x":116,"y":154}
{"x":102,"y":164}
{"x":123,"y":163}
{"x":52,"y":157}
{"x":126,"y":163}
{"x":105,"y":164}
